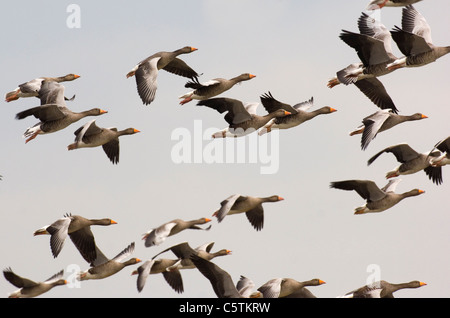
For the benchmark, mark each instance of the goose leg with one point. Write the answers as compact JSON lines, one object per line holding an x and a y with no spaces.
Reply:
{"x":32,"y":137}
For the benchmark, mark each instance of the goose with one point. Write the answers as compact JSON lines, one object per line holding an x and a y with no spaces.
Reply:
{"x":246,"y":288}
{"x":158,"y":235}
{"x":220,"y":280}
{"x":171,"y":268}
{"x":373,"y":46}
{"x":183,"y":251}
{"x":378,"y":4}
{"x":285,"y":287}
{"x":211,"y":88}
{"x":32,"y":88}
{"x":160,"y":266}
{"x":146,"y":71}
{"x":242,"y":119}
{"x":380,"y":121}
{"x":53,"y":112}
{"x":411,"y":162}
{"x":110,"y":266}
{"x":90,"y":135}
{"x":252,"y":206}
{"x":78,"y":229}
{"x":415,"y":42}
{"x":299,"y":113}
{"x":444,"y":159}
{"x":382,"y":289}
{"x":29,"y":288}
{"x":377,"y":200}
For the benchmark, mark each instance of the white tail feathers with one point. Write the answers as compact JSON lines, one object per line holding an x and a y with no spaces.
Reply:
{"x":32,"y":131}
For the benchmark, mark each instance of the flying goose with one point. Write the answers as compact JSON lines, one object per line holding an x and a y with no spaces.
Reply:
{"x":29,"y":288}
{"x":246,"y":288}
{"x":183,"y":251}
{"x":78,"y":229}
{"x":373,"y":46}
{"x":285,"y":287}
{"x":146,"y":71}
{"x":53,"y":112}
{"x":90,"y":135}
{"x":250,"y":205}
{"x":32,"y":88}
{"x":444,"y":159}
{"x":110,"y":267}
{"x":411,"y":162}
{"x":159,"y":266}
{"x":220,"y":280}
{"x":415,"y":42}
{"x":170,"y":268}
{"x":380,"y":121}
{"x":377,"y":200}
{"x":211,"y":88}
{"x":158,"y":235}
{"x":381,"y":289}
{"x":299,"y":113}
{"x":241,"y":118}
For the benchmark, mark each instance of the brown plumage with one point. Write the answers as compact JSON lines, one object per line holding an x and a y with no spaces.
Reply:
{"x":242,"y":119}
{"x":32,"y":88}
{"x":377,"y":200}
{"x":251,"y":206}
{"x":373,"y":46}
{"x":414,"y":41}
{"x":411,"y":162}
{"x":164,"y":266}
{"x":146,"y":71}
{"x":285,"y":287}
{"x":171,"y":268}
{"x":158,"y":235}
{"x":90,"y":135}
{"x":211,"y":88}
{"x":110,"y":267}
{"x":444,"y":159}
{"x":78,"y":229}
{"x":382,"y":289}
{"x":298,"y":113}
{"x":53,"y":112}
{"x":29,"y":288}
{"x":220,"y":280}
{"x":380,"y":121}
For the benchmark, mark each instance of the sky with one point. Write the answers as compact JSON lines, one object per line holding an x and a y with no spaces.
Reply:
{"x":293,"y":48}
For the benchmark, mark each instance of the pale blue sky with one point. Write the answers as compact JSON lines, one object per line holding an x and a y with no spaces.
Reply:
{"x":293,"y":48}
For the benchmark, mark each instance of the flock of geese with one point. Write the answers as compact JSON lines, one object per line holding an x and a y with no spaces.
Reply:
{"x":374,"y":49}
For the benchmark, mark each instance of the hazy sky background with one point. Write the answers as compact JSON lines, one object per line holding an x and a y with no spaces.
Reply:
{"x":293,"y":48}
